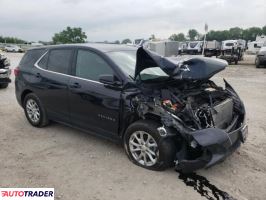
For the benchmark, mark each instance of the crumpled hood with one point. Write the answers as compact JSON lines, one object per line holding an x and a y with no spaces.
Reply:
{"x":195,"y":68}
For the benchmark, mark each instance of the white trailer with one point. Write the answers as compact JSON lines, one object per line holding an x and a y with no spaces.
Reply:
{"x":164,"y":48}
{"x":254,"y":47}
{"x":212,"y":48}
{"x":194,"y":47}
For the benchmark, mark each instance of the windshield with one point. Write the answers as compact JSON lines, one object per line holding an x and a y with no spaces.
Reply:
{"x":229,"y":44}
{"x":126,"y":61}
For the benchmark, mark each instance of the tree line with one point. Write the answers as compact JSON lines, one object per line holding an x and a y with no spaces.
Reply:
{"x":232,"y":33}
{"x":12,"y":40}
{"x":76,"y":35}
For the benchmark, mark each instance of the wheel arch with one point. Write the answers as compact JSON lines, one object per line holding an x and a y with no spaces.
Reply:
{"x":134,"y":118}
{"x":24,"y":94}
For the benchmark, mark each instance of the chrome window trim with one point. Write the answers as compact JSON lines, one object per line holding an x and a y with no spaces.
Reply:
{"x":38,"y":67}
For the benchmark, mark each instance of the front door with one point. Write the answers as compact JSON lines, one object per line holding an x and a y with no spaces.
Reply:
{"x":93,"y":105}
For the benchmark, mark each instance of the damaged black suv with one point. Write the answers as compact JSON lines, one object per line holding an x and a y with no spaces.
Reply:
{"x":165,"y":111}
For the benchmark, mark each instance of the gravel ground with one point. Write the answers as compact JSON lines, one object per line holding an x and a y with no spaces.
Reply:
{"x":81,"y":166}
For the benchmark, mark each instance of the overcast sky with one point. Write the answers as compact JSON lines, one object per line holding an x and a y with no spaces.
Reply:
{"x":35,"y":20}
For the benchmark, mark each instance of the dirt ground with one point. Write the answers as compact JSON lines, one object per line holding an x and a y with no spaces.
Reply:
{"x":84,"y":167}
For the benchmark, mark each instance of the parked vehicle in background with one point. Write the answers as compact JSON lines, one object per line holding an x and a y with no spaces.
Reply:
{"x":212,"y":48}
{"x":232,"y":50}
{"x":261,"y":58}
{"x":164,"y":111}
{"x":12,"y":48}
{"x":194,"y":47}
{"x":254,"y":47}
{"x":182,"y":48}
{"x":164,"y":48}
{"x":4,"y":71}
{"x":139,"y":42}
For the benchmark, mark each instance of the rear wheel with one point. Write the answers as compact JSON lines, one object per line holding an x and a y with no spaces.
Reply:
{"x":146,"y":148}
{"x":35,"y":111}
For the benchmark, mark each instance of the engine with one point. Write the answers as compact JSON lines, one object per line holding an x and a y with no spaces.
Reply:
{"x":198,"y":107}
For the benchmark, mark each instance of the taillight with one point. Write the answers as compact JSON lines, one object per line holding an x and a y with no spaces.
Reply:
{"x":16,"y":71}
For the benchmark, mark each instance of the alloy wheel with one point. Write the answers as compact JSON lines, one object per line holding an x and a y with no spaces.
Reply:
{"x":143,"y":148}
{"x":33,"y":110}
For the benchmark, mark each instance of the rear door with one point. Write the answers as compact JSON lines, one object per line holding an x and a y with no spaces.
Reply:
{"x":93,"y":105}
{"x":51,"y":82}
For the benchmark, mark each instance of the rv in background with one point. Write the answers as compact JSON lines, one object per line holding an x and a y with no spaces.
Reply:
{"x":164,"y":48}
{"x":254,"y":47}
{"x":212,"y":48}
{"x":194,"y":47}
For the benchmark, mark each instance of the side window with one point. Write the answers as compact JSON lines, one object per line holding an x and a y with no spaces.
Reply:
{"x":30,"y":57}
{"x":90,"y":66}
{"x":59,"y":60}
{"x":43,"y":62}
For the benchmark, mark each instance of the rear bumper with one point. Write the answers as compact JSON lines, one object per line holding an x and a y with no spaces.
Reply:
{"x":215,"y":144}
{"x":229,"y":58}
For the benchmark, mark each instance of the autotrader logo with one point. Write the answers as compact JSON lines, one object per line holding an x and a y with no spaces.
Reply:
{"x":26,"y":193}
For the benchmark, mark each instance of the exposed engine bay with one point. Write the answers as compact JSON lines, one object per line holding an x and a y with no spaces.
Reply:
{"x":185,"y":109}
{"x":194,"y":107}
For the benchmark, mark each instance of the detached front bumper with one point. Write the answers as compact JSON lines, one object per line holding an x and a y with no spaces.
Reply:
{"x":215,"y":144}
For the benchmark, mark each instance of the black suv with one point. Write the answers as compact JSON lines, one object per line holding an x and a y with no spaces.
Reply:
{"x":165,"y":111}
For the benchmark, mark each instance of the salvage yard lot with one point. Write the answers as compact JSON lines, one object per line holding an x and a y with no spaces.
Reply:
{"x":81,"y":166}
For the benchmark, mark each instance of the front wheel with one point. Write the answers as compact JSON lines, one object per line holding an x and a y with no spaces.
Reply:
{"x":146,"y":148}
{"x":35,"y":111}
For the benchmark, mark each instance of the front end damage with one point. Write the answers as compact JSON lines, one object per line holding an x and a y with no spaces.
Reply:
{"x":206,"y":121}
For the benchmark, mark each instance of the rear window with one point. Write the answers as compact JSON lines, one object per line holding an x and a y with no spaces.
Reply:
{"x":43,"y":62}
{"x":59,"y":60}
{"x":31,"y":57}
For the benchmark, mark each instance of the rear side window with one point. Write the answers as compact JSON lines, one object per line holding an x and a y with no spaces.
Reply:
{"x":59,"y":60}
{"x":43,"y":62}
{"x":31,"y":57}
{"x":90,"y":66}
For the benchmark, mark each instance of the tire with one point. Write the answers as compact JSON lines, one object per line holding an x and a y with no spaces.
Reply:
{"x":257,"y":62}
{"x":32,"y":104}
{"x":236,"y":62}
{"x":4,"y":85}
{"x":163,"y":155}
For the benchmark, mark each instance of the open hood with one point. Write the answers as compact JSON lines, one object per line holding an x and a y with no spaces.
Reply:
{"x":195,"y":68}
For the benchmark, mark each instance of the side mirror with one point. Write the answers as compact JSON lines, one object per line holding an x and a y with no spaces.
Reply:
{"x":109,"y":79}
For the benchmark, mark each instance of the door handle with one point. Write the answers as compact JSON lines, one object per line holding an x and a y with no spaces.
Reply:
{"x":75,"y":85}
